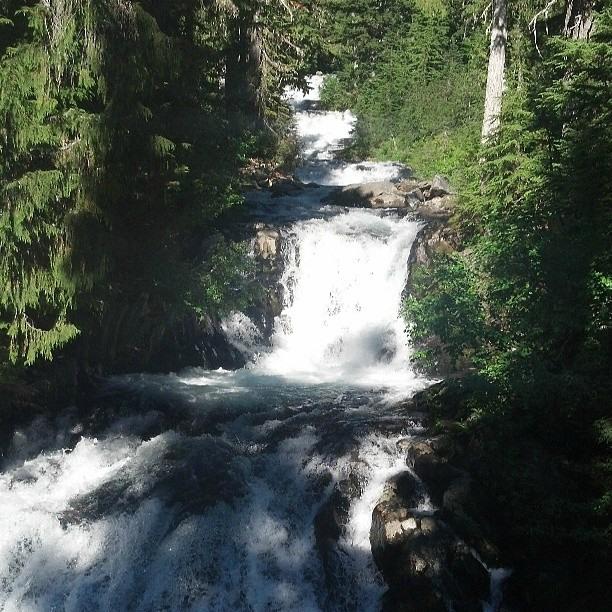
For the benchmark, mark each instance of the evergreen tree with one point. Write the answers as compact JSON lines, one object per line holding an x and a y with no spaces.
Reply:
{"x":117,"y":158}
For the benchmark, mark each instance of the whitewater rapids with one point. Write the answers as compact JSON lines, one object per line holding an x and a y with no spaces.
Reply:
{"x":201,"y":490}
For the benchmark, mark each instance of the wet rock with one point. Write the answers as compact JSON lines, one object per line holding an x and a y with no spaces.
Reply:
{"x":333,"y":515}
{"x":429,"y":524}
{"x":328,"y":525}
{"x":403,"y":489}
{"x":436,"y":473}
{"x":404,"y":444}
{"x":213,"y":348}
{"x":435,"y":238}
{"x":417,"y":449}
{"x":267,"y":244}
{"x":380,"y":194}
{"x":286,"y":187}
{"x":414,"y":199}
{"x":394,"y":518}
{"x":458,"y":493}
{"x":451,"y":489}
{"x":425,"y":564}
{"x":470,"y":578}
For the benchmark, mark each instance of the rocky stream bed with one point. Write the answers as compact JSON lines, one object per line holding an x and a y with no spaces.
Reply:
{"x":301,"y":475}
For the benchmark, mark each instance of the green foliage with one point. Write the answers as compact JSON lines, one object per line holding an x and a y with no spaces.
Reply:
{"x":447,"y":152}
{"x":43,"y":179}
{"x":421,"y":100}
{"x":535,"y":214}
{"x":445,"y":304}
{"x":334,"y":95}
{"x":536,"y":209}
{"x":356,"y":38}
{"x":225,"y":281}
{"x":117,"y":159}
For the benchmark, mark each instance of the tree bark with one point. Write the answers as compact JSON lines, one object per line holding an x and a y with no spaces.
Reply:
{"x":579,"y":19}
{"x":243,"y":69}
{"x":495,"y":75}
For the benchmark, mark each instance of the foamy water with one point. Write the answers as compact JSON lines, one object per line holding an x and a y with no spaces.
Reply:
{"x":200,"y":490}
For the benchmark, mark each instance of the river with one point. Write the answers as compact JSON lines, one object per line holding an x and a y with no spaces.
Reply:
{"x":206,"y":490}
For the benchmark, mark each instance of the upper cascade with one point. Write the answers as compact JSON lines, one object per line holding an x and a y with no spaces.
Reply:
{"x":323,"y":134}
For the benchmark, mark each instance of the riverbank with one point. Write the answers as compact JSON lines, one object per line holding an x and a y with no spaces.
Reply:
{"x":522,"y":492}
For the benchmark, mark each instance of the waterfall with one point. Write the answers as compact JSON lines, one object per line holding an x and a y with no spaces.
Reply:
{"x":203,"y":490}
{"x":344,"y":274}
{"x":343,"y":280}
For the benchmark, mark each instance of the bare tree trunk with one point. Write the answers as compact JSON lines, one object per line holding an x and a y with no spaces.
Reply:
{"x":579,"y":19}
{"x":495,"y":75}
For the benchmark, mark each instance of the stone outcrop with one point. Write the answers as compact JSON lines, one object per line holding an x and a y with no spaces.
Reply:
{"x":428,"y":199}
{"x":381,"y":194}
{"x":433,"y":239}
{"x":287,"y":186}
{"x":435,"y":555}
{"x":439,"y":187}
{"x":426,"y":565}
{"x":267,"y":243}
{"x":439,"y":207}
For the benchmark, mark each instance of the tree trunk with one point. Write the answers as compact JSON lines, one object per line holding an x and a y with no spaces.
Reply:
{"x":579,"y":19}
{"x":243,"y":69}
{"x":495,"y":75}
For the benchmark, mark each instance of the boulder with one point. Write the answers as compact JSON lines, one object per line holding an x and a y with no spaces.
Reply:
{"x":403,"y":444}
{"x":286,"y":187}
{"x":407,"y":185}
{"x":435,"y":238}
{"x":381,"y":194}
{"x":410,"y":184}
{"x":436,"y":473}
{"x":439,"y":207}
{"x":417,"y":449}
{"x":451,"y":490}
{"x":457,"y":495}
{"x":470,"y":578}
{"x":330,"y":521}
{"x":439,"y":187}
{"x":414,"y":198}
{"x":267,"y":244}
{"x":417,"y":194}
{"x":426,"y":566}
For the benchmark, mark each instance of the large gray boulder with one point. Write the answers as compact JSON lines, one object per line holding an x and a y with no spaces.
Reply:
{"x":440,"y":207}
{"x":424,"y":563}
{"x":439,"y":187}
{"x":287,"y":186}
{"x":380,"y":194}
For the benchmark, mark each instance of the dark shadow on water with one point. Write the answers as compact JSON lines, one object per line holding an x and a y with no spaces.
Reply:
{"x":214,"y":506}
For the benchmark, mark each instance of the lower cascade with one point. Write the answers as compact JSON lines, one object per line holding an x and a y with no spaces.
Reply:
{"x":237,"y":490}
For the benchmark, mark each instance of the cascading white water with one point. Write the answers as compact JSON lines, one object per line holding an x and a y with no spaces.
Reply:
{"x":322,"y":135}
{"x":343,"y":280}
{"x":344,"y":275}
{"x":200,"y":491}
